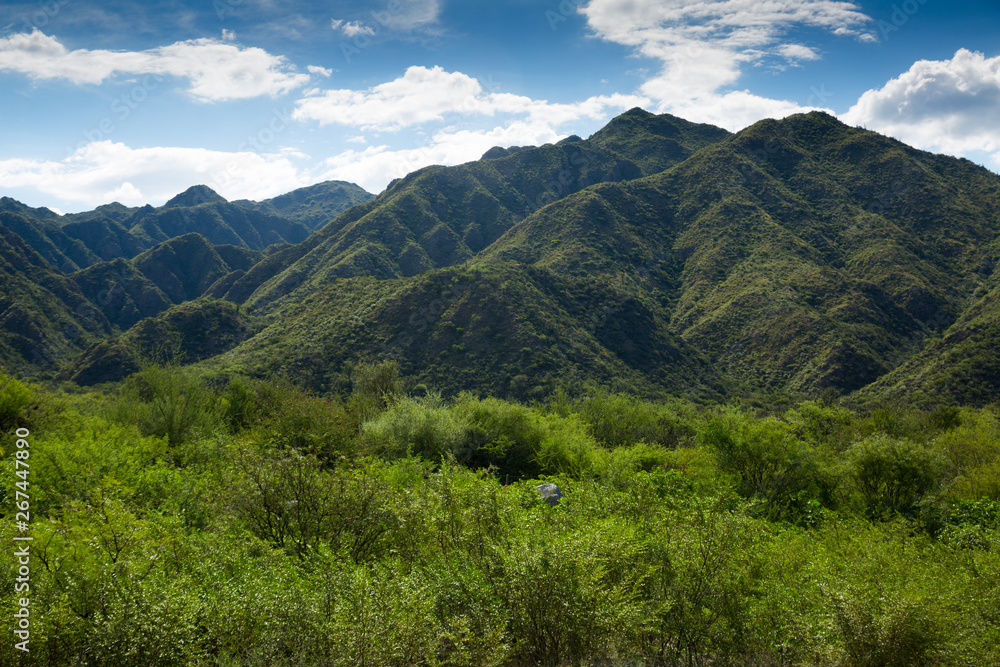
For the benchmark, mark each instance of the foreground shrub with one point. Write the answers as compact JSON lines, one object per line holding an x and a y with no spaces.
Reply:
{"x":14,"y":398}
{"x":893,"y":475}
{"x":416,"y":427}
{"x":619,"y":419}
{"x":166,"y":401}
{"x":770,"y":463}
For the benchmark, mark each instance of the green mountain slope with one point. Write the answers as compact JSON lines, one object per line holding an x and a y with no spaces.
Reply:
{"x":960,"y":365}
{"x":79,"y":240}
{"x":181,"y":269}
{"x":200,"y":210}
{"x":504,"y":329}
{"x":442,"y":216}
{"x":315,"y":205}
{"x":186,"y":333}
{"x":44,"y":317}
{"x":798,"y":256}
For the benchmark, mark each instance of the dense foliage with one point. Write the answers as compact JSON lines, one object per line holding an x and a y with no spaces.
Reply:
{"x":181,"y":519}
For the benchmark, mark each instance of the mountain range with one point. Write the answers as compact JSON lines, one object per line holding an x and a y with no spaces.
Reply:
{"x":799,"y":257}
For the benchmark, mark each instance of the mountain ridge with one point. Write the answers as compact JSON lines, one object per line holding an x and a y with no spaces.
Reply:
{"x":796,"y":257}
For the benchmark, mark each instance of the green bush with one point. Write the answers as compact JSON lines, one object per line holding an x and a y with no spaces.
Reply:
{"x":14,"y":398}
{"x":619,"y":419}
{"x":769,"y":462}
{"x":75,"y":463}
{"x":881,"y":629}
{"x":971,"y":453}
{"x":891,"y":474}
{"x":166,"y":401}
{"x":416,"y":427}
{"x":522,"y":442}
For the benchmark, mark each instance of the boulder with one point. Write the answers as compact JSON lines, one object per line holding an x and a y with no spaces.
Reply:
{"x":550,"y":494}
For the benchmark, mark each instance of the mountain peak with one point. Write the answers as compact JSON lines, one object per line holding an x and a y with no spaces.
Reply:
{"x":195,"y":195}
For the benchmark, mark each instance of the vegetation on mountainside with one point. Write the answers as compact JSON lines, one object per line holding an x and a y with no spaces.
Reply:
{"x":211,"y":520}
{"x":441,"y":216}
{"x":190,"y":332}
{"x":80,"y":240}
{"x":795,"y":259}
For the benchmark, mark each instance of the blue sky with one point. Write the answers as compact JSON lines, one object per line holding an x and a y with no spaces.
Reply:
{"x":134,"y":102}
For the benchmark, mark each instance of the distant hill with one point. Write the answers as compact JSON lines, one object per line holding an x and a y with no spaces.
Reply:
{"x":316,"y":205}
{"x":77,"y":241}
{"x":442,"y":216}
{"x":170,"y":273}
{"x":795,"y":258}
{"x":45,"y":318}
{"x":186,"y":333}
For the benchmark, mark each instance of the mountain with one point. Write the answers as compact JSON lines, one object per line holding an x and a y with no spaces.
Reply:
{"x":798,"y":255}
{"x":46,"y":237}
{"x":442,"y":216}
{"x":186,"y":333}
{"x":77,"y":241}
{"x":794,"y":257}
{"x":201,"y":210}
{"x":316,"y":205}
{"x":45,"y":318}
{"x":170,"y":273}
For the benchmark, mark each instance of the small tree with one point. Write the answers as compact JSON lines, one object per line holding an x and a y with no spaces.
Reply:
{"x":892,"y":474}
{"x":166,"y":401}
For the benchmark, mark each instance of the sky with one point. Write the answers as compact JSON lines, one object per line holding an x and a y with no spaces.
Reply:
{"x":135,"y":102}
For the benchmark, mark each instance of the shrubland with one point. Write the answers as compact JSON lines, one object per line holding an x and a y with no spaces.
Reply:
{"x":180,"y":519}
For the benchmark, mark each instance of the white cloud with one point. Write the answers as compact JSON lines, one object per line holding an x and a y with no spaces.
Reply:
{"x":414,"y":14}
{"x":737,"y":109}
{"x":105,"y":171}
{"x":796,"y":52}
{"x":704,"y":44}
{"x":950,"y":106}
{"x":319,"y":71}
{"x":215,"y":70}
{"x":355,"y":28}
{"x":430,"y":94}
{"x":398,"y":15}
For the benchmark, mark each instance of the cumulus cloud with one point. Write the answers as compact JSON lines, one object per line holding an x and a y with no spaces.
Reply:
{"x":352,"y":28}
{"x":105,"y":171}
{"x":320,"y":71}
{"x":216,"y":70}
{"x":951,"y":106}
{"x":431,"y":94}
{"x":796,"y":52}
{"x":704,"y":44}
